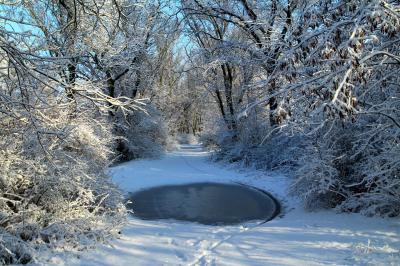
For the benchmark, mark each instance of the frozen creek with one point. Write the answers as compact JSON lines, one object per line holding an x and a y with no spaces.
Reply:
{"x":295,"y":237}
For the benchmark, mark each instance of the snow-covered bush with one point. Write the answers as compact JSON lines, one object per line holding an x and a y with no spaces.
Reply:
{"x":209,"y":140}
{"x":342,"y":168}
{"x":187,"y":139}
{"x":374,"y":185}
{"x":53,"y":187}
{"x":141,"y":134}
{"x":320,"y":169}
{"x":55,"y":145}
{"x":13,"y":249}
{"x":353,"y":102}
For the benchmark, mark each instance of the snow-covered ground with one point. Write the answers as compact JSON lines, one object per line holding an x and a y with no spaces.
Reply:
{"x":296,"y":237}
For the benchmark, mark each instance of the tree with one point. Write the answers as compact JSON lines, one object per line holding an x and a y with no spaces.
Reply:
{"x":320,"y":70}
{"x":55,"y":138}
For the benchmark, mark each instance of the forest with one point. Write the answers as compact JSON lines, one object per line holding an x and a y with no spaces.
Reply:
{"x":310,"y":89}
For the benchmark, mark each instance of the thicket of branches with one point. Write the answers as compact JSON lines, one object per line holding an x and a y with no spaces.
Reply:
{"x":76,"y":80}
{"x":307,"y":86}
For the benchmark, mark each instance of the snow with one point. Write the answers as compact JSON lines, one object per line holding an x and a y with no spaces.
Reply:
{"x":296,"y":237}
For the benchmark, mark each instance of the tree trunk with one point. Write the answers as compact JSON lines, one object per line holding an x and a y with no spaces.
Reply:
{"x":228,"y":83}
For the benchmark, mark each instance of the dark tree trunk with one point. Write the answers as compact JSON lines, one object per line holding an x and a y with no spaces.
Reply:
{"x":111,"y":92}
{"x":221,"y":106}
{"x":138,"y":81}
{"x":228,"y":83}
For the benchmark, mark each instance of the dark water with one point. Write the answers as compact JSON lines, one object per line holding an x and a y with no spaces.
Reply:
{"x":205,"y":203}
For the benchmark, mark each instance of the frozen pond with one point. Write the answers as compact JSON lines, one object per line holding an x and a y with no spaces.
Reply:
{"x":205,"y":203}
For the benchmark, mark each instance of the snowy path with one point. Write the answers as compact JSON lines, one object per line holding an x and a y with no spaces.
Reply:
{"x":297,"y":238}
